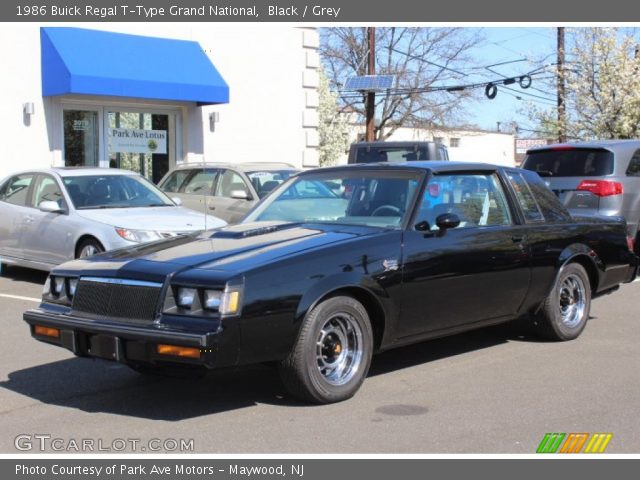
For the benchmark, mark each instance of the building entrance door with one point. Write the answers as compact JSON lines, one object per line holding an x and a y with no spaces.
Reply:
{"x":141,"y":141}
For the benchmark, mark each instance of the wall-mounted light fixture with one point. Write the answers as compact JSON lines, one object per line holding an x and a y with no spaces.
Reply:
{"x":28,"y":108}
{"x":214,"y":117}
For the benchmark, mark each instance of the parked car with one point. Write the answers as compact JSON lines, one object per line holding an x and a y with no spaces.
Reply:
{"x":53,"y":215}
{"x":228,"y":191}
{"x":593,"y":178}
{"x":318,"y":283}
{"x":375,"y":152}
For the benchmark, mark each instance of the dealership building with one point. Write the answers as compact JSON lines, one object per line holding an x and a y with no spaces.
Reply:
{"x":148,"y":97}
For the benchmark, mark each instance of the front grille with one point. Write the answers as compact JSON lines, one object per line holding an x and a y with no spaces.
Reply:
{"x":116,"y":299}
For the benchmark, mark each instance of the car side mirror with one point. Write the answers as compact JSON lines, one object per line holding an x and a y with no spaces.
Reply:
{"x":240,"y":195}
{"x":447,"y":220}
{"x":50,"y":207}
{"x":177,"y":201}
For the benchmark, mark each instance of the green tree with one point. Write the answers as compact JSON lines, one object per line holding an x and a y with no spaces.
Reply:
{"x":333,"y":126}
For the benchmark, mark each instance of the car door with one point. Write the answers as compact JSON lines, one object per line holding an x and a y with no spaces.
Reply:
{"x":476,"y":272}
{"x":47,"y":237}
{"x":197,"y":188}
{"x":227,"y":202}
{"x":15,"y":214}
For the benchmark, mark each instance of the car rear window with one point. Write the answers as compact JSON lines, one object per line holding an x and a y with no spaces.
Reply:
{"x":366,"y":154}
{"x":571,"y":162}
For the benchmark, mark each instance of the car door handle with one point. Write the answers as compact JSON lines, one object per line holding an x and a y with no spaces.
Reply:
{"x":212,"y":207}
{"x":28,"y":219}
{"x":517,"y":238}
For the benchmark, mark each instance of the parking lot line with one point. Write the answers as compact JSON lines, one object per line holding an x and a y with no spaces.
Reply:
{"x":18,"y":297}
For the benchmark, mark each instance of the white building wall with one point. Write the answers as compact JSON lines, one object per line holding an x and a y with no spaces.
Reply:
{"x":474,"y":145}
{"x":271,"y":72}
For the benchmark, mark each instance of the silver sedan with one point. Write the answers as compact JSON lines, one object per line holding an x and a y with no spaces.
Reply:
{"x":50,"y":216}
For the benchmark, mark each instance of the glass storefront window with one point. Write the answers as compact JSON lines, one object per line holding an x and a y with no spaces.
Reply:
{"x":140,"y":142}
{"x":81,"y":138}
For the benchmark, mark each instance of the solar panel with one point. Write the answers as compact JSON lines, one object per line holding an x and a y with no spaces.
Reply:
{"x":367,"y":83}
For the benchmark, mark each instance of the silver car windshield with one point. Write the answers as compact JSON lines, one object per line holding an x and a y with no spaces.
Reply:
{"x":372,"y":198}
{"x":114,"y":191}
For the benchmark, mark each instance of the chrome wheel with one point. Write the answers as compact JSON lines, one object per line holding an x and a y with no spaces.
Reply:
{"x":572,"y":300}
{"x":87,"y":251}
{"x":339,"y":349}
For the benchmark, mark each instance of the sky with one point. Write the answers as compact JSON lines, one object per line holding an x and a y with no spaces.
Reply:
{"x":522,"y":46}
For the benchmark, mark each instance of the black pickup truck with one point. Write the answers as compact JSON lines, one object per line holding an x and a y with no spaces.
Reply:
{"x":337,"y":264}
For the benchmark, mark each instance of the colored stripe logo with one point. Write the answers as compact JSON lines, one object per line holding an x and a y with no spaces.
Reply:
{"x":574,"y":442}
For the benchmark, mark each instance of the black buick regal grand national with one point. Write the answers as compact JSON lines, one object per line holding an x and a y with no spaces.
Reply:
{"x":337,"y":264}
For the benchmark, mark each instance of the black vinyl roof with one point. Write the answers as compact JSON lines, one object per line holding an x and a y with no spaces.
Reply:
{"x":435,"y":166}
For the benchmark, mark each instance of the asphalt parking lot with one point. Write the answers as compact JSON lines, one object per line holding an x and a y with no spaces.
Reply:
{"x":498,"y":390}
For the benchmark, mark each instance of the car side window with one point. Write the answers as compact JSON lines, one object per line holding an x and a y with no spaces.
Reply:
{"x":551,"y":207}
{"x":228,"y":182}
{"x":200,"y":182}
{"x":477,"y":199}
{"x":525,"y":197}
{"x":17,"y":189}
{"x":633,"y":170}
{"x":47,"y":190}
{"x":173,"y":183}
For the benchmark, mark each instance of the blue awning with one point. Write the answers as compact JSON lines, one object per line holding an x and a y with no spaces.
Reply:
{"x":91,"y":62}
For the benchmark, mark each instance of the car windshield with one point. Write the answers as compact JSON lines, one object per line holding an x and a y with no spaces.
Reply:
{"x":264,"y":181}
{"x":114,"y":191}
{"x":373,"y":198}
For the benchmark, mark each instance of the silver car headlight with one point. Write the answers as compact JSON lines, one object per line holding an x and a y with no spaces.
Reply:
{"x":139,"y":236}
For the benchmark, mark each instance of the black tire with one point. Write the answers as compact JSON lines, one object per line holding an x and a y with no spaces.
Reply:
{"x":332,"y":354}
{"x":565,"y":312}
{"x":89,"y":244}
{"x":172,"y":371}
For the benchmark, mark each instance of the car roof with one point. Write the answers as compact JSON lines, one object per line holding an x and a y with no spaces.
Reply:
{"x":607,"y":144}
{"x":392,"y":144}
{"x":244,"y":166}
{"x":436,"y":166}
{"x":76,"y":171}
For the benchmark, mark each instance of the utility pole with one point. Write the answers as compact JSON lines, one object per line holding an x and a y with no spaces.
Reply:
{"x":562,"y":117}
{"x":371,"y":96}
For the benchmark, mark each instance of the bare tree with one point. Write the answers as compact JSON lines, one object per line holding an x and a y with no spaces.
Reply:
{"x":420,"y":58}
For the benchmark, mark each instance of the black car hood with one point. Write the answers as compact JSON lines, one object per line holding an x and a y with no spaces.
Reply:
{"x":232,"y":248}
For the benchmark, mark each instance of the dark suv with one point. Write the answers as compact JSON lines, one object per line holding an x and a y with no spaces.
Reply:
{"x":374,"y":152}
{"x":593,"y":178}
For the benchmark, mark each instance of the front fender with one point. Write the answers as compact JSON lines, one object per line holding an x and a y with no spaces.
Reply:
{"x":354,"y":281}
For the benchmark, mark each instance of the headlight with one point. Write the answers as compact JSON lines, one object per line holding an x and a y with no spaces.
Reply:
{"x":58,"y":285}
{"x":139,"y":236}
{"x":186,"y":297}
{"x":226,"y":302}
{"x":212,"y":299}
{"x":204,"y":302}
{"x":73,"y":285}
{"x":59,"y":289}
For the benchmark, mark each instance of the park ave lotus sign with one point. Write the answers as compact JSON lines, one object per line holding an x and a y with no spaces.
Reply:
{"x":129,"y":140}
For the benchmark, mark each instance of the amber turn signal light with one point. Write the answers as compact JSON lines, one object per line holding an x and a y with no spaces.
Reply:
{"x":47,"y":331}
{"x":177,"y":351}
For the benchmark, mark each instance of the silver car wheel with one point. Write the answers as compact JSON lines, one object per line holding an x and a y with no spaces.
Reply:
{"x":339,"y":349}
{"x":87,"y":251}
{"x":572,"y":300}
